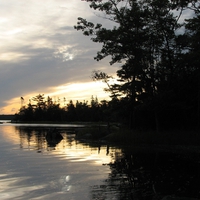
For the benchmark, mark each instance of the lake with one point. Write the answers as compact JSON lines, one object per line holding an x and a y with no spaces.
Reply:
{"x":35,"y":164}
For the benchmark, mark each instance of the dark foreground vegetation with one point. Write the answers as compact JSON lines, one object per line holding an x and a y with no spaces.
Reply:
{"x":124,"y":136}
{"x":158,"y":87}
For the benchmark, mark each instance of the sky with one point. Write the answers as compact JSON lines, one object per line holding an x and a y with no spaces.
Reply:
{"x":42,"y":53}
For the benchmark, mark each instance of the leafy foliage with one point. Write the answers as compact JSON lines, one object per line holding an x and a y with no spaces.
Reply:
{"x":159,"y":79}
{"x":159,"y":58}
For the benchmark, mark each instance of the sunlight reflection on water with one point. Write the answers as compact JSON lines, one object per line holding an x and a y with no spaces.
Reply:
{"x":12,"y":188}
{"x":68,"y":169}
{"x":35,"y":164}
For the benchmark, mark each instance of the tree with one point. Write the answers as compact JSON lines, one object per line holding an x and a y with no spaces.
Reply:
{"x":82,"y":111}
{"x":39,"y":99}
{"x":193,"y":60}
{"x":143,"y":39}
{"x":71,"y":113}
{"x":102,"y":76}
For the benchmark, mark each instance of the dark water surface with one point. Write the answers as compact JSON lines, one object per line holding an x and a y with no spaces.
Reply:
{"x":36,"y":163}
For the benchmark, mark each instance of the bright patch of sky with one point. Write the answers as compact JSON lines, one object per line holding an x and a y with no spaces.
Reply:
{"x":41,"y":52}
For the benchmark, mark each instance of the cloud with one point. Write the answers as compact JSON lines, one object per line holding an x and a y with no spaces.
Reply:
{"x":41,"y":51}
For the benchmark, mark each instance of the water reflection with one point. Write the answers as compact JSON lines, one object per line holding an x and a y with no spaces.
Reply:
{"x":40,"y":138}
{"x":61,"y":140}
{"x":66,"y":168}
{"x":19,"y":187}
{"x":53,"y":137}
{"x":62,"y":168}
{"x":156,"y":174}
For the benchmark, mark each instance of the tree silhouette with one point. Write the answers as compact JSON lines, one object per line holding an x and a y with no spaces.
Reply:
{"x":147,"y":39}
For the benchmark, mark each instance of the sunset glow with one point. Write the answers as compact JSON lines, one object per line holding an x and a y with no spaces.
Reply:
{"x":74,"y":92}
{"x":42,"y":53}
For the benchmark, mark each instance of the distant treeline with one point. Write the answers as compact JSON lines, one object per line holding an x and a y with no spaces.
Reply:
{"x":158,"y":85}
{"x":45,"y":109}
{"x":115,"y":110}
{"x":7,"y":117}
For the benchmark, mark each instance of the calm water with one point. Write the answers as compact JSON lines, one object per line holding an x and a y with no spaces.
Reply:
{"x":37,"y":164}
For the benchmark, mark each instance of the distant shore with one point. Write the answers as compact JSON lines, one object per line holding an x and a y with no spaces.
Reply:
{"x":7,"y":117}
{"x":122,"y":135}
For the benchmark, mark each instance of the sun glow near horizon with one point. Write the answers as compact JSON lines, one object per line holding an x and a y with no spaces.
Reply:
{"x":63,"y":93}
